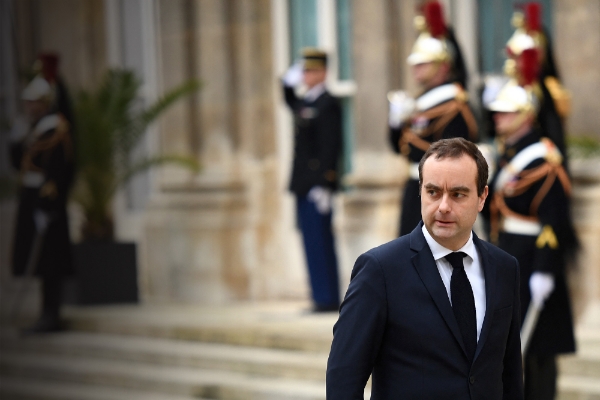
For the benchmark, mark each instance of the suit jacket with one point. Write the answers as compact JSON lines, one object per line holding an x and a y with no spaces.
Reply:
{"x":396,"y":323}
{"x":317,"y":142}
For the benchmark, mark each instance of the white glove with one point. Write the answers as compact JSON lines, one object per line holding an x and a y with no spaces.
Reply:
{"x":293,"y":76}
{"x":41,"y":220}
{"x":322,"y":198}
{"x":401,"y":108}
{"x":541,"y":285}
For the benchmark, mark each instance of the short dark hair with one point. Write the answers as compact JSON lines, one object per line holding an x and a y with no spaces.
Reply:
{"x":455,"y":148}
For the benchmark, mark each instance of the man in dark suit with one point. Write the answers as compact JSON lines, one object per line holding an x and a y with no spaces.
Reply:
{"x":315,"y":174}
{"x":434,"y":314}
{"x":441,"y":109}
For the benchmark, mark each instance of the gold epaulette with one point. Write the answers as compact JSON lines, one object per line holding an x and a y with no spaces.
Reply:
{"x":547,"y":238}
{"x":560,"y":96}
{"x":553,"y":156}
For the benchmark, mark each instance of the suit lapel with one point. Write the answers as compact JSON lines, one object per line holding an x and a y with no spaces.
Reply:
{"x":489,"y":273}
{"x":428,"y":272}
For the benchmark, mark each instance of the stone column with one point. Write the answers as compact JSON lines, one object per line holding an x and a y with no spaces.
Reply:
{"x":214,"y":237}
{"x":370,"y":207}
{"x":577,"y":51}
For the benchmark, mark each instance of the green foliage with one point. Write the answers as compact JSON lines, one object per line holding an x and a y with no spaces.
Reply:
{"x":583,"y":146}
{"x":110,"y":122}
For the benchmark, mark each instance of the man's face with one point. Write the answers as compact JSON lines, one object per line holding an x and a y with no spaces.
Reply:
{"x":449,"y":200}
{"x":506,"y":122}
{"x":428,"y":75}
{"x":314,"y":76}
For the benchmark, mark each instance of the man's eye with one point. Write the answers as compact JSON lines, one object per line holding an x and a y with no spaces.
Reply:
{"x":431,"y":192}
{"x":459,"y":195}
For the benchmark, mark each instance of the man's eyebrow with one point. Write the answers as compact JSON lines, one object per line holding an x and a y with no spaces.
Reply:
{"x":460,"y":189}
{"x":431,"y":186}
{"x":452,"y":189}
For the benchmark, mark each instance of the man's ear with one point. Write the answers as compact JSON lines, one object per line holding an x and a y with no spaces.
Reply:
{"x":482,"y":198}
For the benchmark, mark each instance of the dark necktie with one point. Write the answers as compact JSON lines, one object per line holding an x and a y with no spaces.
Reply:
{"x":463,"y":303}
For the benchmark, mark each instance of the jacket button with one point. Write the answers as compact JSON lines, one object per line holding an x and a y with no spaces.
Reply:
{"x":472,"y":380}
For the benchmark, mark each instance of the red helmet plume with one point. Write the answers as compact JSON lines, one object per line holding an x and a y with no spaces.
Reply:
{"x":49,"y":66}
{"x":528,"y":66}
{"x":533,"y":16}
{"x":434,"y":15}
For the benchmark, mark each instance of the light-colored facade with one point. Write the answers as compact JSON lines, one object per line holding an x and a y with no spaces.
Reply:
{"x":229,"y":232}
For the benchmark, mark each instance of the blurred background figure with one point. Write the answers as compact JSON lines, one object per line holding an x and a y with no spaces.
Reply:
{"x":530,"y":219}
{"x":440,"y":111}
{"x":41,"y":150}
{"x":554,"y":100}
{"x":315,"y":173}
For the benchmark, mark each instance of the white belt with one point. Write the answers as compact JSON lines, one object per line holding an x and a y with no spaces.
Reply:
{"x":521,"y":227}
{"x":32,"y":179}
{"x":413,"y":170}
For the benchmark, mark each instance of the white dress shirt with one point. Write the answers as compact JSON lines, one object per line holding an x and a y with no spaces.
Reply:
{"x":472,"y":268}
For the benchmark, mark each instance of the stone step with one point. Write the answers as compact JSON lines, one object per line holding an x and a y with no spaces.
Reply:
{"x":181,"y":381}
{"x":288,"y":327}
{"x":14,"y":388}
{"x":584,"y":363}
{"x":578,"y":388}
{"x":158,"y":351}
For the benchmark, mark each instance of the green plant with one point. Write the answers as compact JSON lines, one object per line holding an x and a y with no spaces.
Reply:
{"x":109,"y":123}
{"x":584,"y":146}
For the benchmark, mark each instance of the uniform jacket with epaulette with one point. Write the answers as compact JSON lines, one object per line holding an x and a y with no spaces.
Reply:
{"x":441,"y":113}
{"x":530,"y":219}
{"x":45,"y":161}
{"x":317,"y":142}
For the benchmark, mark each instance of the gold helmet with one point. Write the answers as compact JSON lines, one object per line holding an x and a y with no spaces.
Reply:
{"x":43,"y":85}
{"x":528,"y":30}
{"x":431,"y":44}
{"x":521,"y":93}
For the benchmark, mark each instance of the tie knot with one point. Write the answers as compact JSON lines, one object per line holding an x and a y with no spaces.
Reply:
{"x":456,"y":259}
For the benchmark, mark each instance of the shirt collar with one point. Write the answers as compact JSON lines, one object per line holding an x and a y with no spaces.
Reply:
{"x":440,"y":251}
{"x":314,"y":92}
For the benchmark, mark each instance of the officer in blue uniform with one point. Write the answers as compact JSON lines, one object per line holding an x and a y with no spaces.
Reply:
{"x":315,"y":171}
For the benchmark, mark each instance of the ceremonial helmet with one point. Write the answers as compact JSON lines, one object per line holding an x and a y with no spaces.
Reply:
{"x":436,"y":42}
{"x":521,"y":93}
{"x":430,"y":45}
{"x":43,"y":85}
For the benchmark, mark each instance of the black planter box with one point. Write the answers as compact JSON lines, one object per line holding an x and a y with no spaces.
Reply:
{"x":105,"y":273}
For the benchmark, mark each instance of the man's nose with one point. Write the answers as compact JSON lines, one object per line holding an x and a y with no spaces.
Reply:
{"x":445,"y":203}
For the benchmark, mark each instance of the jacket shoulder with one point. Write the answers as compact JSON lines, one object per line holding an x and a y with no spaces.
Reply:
{"x":389,"y":252}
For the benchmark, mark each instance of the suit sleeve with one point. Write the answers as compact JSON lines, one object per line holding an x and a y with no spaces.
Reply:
{"x":512,"y":376}
{"x":358,"y":333}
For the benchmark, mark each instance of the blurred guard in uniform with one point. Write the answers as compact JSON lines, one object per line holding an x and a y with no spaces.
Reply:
{"x":529,"y":212}
{"x":554,"y":99}
{"x":315,"y":173}
{"x":441,"y":110}
{"x":41,"y":149}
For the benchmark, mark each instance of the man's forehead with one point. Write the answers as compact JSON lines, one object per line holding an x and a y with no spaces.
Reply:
{"x":460,"y":169}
